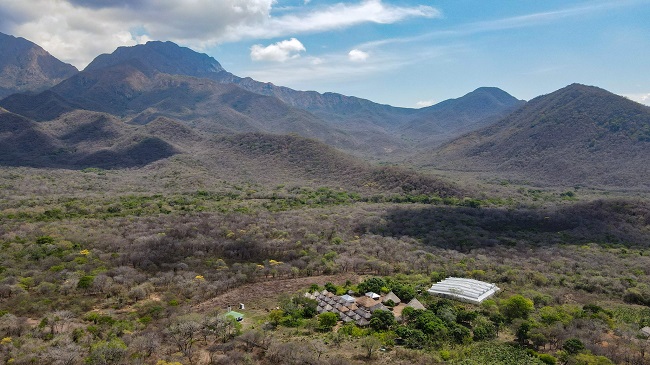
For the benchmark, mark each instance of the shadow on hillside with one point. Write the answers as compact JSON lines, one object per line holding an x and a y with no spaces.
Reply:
{"x":620,"y":222}
{"x":39,"y":153}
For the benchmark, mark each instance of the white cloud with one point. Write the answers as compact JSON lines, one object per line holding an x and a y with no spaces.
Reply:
{"x":425,"y":103}
{"x":339,"y":16}
{"x":278,"y":52}
{"x":356,"y":55}
{"x":335,"y":67}
{"x":639,"y":98}
{"x":78,"y":30}
{"x":515,"y":22}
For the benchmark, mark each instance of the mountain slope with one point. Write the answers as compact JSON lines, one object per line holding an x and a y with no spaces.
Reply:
{"x":26,"y":67}
{"x":22,"y":143}
{"x":46,"y":105}
{"x":287,"y":159}
{"x":138,"y":92}
{"x":83,"y":139}
{"x":382,"y":129}
{"x":161,"y":79}
{"x":167,"y":57}
{"x":77,"y":140}
{"x":576,"y":135}
{"x":437,"y":123}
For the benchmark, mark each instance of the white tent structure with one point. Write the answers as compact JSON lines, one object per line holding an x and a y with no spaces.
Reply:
{"x":464,"y":290}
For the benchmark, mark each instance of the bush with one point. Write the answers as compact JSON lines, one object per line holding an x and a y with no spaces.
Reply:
{"x":547,"y":359}
{"x":327,"y":320}
{"x":85,"y":282}
{"x":573,"y":346}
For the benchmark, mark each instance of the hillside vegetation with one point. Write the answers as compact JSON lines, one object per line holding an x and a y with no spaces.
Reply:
{"x":579,"y":135}
{"x":144,"y":197}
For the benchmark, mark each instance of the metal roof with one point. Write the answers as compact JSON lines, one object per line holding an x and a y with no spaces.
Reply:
{"x":466,"y":290}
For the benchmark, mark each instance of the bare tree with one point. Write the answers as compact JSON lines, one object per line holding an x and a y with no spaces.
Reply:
{"x":65,"y":354}
{"x":370,"y":344}
{"x":319,"y":348}
{"x":253,"y":339}
{"x":183,"y":334}
{"x":146,"y":343}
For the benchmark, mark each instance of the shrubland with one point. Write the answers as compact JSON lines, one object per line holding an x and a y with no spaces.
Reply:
{"x":139,"y":272}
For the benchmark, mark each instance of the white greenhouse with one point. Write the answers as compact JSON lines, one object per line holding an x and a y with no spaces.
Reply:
{"x":465,"y":290}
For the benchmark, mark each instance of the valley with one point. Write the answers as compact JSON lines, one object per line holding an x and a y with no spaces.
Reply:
{"x":144,"y":195}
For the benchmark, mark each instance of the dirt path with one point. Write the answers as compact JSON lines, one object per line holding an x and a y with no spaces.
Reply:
{"x":264,"y":295}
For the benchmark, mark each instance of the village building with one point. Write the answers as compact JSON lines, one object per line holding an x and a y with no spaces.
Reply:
{"x":373,"y":295}
{"x":234,"y":315}
{"x":392,"y":297}
{"x":415,"y":304}
{"x":359,"y":309}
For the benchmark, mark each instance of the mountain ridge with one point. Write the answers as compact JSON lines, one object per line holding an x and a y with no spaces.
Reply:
{"x":332,"y":107}
{"x":164,"y":56}
{"x":471,"y":111}
{"x":139,"y":93}
{"x":162,"y":79}
{"x":580,"y":135}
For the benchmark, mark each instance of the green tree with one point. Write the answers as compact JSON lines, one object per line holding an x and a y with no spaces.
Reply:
{"x":460,"y":334}
{"x":590,"y":359}
{"x":373,"y":284}
{"x":404,"y":292}
{"x":275,"y":316}
{"x":327,"y":320}
{"x":382,"y":320}
{"x":86,"y":282}
{"x":517,"y":306}
{"x":26,"y":283}
{"x":547,"y":359}
{"x":484,"y":329}
{"x":330,"y":287}
{"x":522,"y":331}
{"x":413,"y":338}
{"x":573,"y":346}
{"x":107,"y":352}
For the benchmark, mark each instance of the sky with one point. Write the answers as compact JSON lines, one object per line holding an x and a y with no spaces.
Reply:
{"x":409,"y":53}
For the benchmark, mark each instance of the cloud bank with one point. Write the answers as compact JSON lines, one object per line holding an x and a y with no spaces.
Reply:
{"x":78,"y":30}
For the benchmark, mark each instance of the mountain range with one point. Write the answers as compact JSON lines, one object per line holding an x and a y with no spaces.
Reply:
{"x":153,"y":101}
{"x":155,"y":79}
{"x":578,"y":135}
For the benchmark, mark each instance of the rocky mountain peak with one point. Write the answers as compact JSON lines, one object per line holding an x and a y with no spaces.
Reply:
{"x":26,"y":67}
{"x":165,"y":57}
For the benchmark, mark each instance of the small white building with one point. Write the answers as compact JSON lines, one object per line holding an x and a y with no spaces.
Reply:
{"x":348,"y":298}
{"x":372,"y":295}
{"x":464,"y":290}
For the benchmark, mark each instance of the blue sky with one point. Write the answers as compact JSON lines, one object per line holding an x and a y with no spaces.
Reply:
{"x":400,"y":52}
